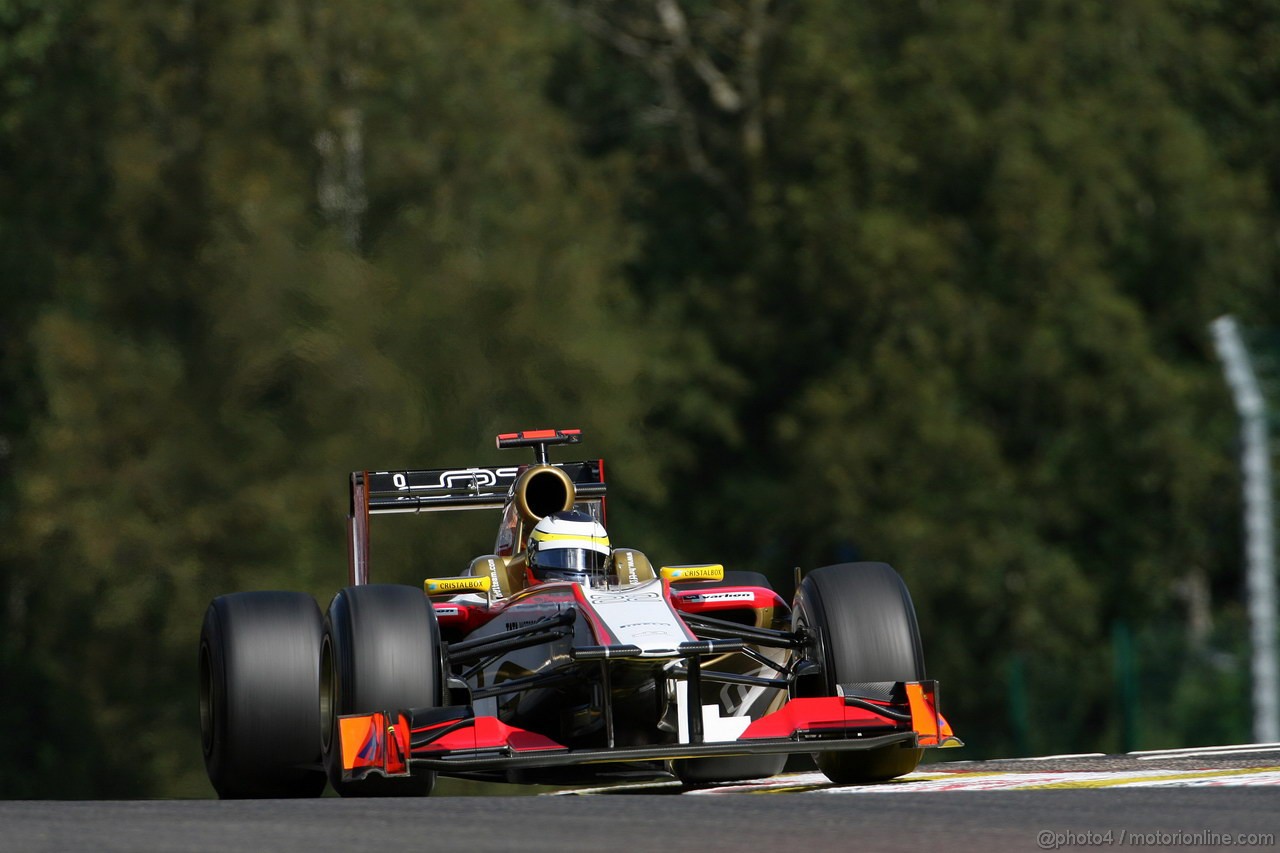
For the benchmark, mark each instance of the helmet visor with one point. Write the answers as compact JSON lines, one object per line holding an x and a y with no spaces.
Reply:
{"x":573,"y":560}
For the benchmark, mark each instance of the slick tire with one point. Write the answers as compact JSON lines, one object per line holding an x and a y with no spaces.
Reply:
{"x":716,"y":771}
{"x":380,"y":652}
{"x":865,"y":627}
{"x":259,"y":683}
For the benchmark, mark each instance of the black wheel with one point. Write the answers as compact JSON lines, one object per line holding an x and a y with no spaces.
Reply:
{"x":380,"y":652}
{"x":865,"y":631}
{"x":716,"y":771}
{"x":711,"y":771}
{"x":259,"y":679}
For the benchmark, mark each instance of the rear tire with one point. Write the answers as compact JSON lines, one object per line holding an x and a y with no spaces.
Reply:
{"x":866,"y":631}
{"x":259,"y":680}
{"x":380,"y":652}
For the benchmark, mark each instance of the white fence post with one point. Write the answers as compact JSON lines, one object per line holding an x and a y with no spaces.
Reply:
{"x":1259,"y":528}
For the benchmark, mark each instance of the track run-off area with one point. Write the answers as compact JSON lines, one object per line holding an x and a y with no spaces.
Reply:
{"x":1206,"y":799}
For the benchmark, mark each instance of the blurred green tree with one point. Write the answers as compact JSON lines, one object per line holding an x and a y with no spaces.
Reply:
{"x":925,"y":283}
{"x":322,"y":235}
{"x":953,"y":265}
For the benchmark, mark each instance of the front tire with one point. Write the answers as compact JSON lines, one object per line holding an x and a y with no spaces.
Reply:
{"x":865,"y":630}
{"x":380,"y":652}
{"x":259,"y":680}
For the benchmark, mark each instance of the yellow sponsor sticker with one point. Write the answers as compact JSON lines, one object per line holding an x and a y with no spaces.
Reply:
{"x":702,"y":572}
{"x":441,"y":586}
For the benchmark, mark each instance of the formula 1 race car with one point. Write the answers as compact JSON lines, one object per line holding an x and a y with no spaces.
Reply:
{"x":557,"y":659}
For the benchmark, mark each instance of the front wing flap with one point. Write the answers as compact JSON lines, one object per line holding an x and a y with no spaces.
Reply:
{"x":455,"y":739}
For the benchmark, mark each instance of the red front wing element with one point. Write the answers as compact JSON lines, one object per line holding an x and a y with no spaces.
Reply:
{"x":383,"y":742}
{"x":829,"y":713}
{"x":482,"y":734}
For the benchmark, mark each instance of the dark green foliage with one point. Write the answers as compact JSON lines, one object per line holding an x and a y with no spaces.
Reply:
{"x":926,"y":283}
{"x":961,"y":294}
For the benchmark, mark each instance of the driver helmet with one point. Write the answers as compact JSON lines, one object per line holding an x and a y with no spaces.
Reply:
{"x":569,"y":546}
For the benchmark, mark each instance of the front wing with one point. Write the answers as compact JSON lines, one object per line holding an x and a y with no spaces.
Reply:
{"x":453,"y":739}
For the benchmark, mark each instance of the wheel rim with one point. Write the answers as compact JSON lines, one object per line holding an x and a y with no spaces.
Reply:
{"x":816,"y":650}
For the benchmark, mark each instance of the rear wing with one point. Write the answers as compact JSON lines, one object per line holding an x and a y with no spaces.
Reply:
{"x":440,"y":490}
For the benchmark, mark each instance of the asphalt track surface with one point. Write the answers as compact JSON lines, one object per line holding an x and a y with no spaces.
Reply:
{"x":1185,"y":802}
